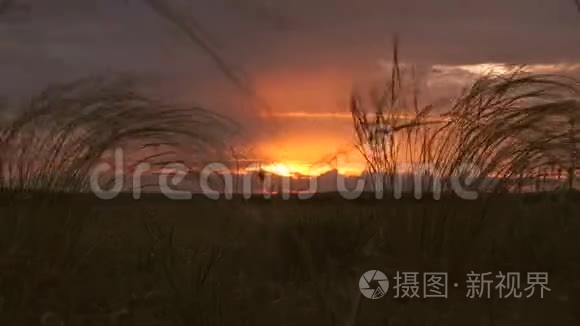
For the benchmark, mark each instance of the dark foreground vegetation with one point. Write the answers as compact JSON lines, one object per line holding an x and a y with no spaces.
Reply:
{"x":76,"y":260}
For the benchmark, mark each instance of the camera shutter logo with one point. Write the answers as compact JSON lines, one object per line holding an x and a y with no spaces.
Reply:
{"x":380,"y":282}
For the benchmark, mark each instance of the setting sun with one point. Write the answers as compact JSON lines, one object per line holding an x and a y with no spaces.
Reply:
{"x":279,"y":169}
{"x":293,"y":169}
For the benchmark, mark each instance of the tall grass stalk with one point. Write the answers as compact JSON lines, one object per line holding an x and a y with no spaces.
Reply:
{"x":511,"y":127}
{"x":59,"y":136}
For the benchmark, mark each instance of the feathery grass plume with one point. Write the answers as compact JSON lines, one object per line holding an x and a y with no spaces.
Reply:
{"x":387,"y":132}
{"x":194,"y":31}
{"x":512,"y":125}
{"x":61,"y":134}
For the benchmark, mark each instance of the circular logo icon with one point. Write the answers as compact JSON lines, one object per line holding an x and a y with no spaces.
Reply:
{"x":373,"y":284}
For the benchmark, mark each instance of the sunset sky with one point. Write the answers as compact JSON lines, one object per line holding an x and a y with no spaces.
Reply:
{"x":303,"y":57}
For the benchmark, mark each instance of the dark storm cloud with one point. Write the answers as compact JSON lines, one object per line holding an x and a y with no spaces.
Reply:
{"x":59,"y":40}
{"x":448,"y":31}
{"x":301,"y":55}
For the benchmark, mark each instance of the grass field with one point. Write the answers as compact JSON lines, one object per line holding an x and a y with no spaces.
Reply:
{"x":77,"y":260}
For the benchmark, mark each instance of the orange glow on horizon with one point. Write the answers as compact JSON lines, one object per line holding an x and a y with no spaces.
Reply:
{"x":299,"y":169}
{"x":312,"y":130}
{"x":293,"y":169}
{"x":310,"y":153}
